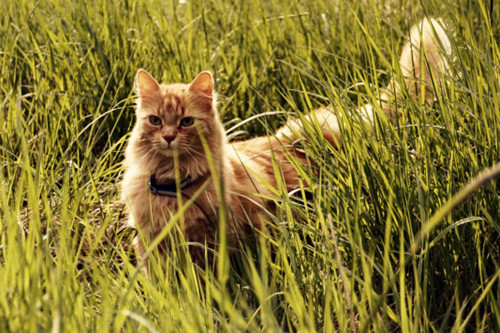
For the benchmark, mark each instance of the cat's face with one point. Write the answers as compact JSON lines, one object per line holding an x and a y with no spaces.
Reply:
{"x":170,"y":118}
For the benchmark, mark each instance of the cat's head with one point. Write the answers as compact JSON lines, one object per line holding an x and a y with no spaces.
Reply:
{"x":173,"y":117}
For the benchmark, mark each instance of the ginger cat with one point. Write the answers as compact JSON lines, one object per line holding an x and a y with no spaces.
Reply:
{"x":177,"y":123}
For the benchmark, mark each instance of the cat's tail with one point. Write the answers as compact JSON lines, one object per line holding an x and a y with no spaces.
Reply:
{"x":295,"y":129}
{"x":423,"y":65}
{"x":423,"y":62}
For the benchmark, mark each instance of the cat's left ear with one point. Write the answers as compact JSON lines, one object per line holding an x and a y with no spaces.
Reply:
{"x":203,"y":84}
{"x":145,"y":84}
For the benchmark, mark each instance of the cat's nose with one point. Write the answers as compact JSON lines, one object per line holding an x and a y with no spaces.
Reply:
{"x":169,"y":138}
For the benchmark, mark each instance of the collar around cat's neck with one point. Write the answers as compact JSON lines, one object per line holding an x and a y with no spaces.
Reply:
{"x":170,"y":189}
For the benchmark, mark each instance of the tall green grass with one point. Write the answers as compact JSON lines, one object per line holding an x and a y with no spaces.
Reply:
{"x":376,"y":239}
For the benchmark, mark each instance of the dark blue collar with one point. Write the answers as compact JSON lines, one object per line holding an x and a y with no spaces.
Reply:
{"x":169,"y":190}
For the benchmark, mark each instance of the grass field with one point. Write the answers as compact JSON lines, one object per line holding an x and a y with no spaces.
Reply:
{"x":382,"y":244}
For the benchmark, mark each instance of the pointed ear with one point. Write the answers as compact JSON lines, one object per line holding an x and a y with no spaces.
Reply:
{"x":145,"y":84}
{"x":203,"y":84}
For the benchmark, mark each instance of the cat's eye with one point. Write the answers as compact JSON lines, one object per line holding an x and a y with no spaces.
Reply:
{"x":187,"y":121}
{"x":154,"y":120}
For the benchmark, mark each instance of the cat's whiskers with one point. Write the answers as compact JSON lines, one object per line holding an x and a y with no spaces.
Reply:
{"x":190,"y":151}
{"x":148,"y":156}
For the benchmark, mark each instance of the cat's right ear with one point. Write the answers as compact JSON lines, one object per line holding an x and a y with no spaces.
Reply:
{"x":203,"y":84}
{"x":146,"y":85}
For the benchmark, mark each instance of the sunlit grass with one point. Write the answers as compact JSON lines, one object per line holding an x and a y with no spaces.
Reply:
{"x":379,"y":238}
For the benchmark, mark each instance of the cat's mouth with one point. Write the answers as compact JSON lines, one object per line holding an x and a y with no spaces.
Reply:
{"x":172,"y":148}
{"x":169,"y":150}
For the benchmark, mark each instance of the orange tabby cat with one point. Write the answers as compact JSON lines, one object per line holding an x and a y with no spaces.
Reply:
{"x":178,"y":136}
